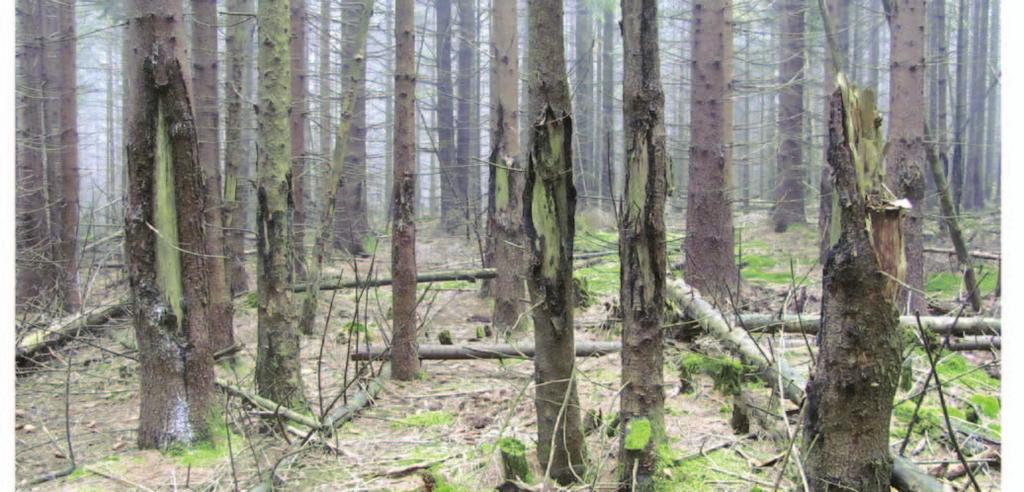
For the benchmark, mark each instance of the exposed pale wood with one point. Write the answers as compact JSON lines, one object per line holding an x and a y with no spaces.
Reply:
{"x":269,"y":405}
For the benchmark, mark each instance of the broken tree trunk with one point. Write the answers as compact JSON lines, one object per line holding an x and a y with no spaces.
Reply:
{"x":41,"y":340}
{"x":467,"y":275}
{"x":850,"y":392}
{"x":906,"y":476}
{"x":502,"y":351}
{"x":953,"y":224}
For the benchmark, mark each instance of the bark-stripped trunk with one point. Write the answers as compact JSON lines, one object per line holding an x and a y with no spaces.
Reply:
{"x":583,"y":101}
{"x":463,"y":126}
{"x":789,"y":191}
{"x":837,"y":15}
{"x":506,"y":172}
{"x":709,"y":230}
{"x":236,"y":148}
{"x":905,"y":155}
{"x":297,"y":130}
{"x":34,"y":271}
{"x":207,"y":104}
{"x":642,"y":248}
{"x":277,"y":359}
{"x":850,"y":393}
{"x":164,"y":235}
{"x":549,"y":205}
{"x":353,"y":75}
{"x":960,"y":110}
{"x":975,"y":184}
{"x":405,"y":365}
{"x":66,"y":213}
{"x":351,"y":223}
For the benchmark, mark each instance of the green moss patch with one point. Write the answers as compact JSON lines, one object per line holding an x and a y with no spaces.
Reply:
{"x":426,"y":419}
{"x":638,"y":434}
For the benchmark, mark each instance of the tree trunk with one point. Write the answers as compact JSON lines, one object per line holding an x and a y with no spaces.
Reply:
{"x":207,"y":104}
{"x":34,"y":271}
{"x":353,"y":75}
{"x":837,"y":16}
{"x":642,"y":247}
{"x":297,"y":130}
{"x":709,"y":231}
{"x":278,"y":375}
{"x":236,"y":148}
{"x":324,"y":89}
{"x":850,"y":393}
{"x":583,"y":101}
{"x":506,"y":172}
{"x":463,"y":131}
{"x":940,"y":87}
{"x":351,"y":224}
{"x":405,"y":365}
{"x":164,"y":219}
{"x":789,"y":191}
{"x":993,"y":134}
{"x":549,"y":200}
{"x":607,"y":135}
{"x":67,"y":209}
{"x":960,"y":110}
{"x":905,"y":156}
{"x":450,"y":196}
{"x":975,"y":185}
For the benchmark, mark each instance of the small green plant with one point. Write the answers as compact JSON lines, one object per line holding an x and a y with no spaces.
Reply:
{"x":251,"y":300}
{"x":431,"y":418}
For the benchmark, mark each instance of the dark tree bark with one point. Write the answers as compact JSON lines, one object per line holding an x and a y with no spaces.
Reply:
{"x":506,"y":172}
{"x":850,"y":393}
{"x":66,"y":212}
{"x":960,"y":110}
{"x":405,"y":365}
{"x":642,"y":247}
{"x":607,"y":134}
{"x":464,"y":160}
{"x":709,"y":230}
{"x":905,"y":155}
{"x":164,"y":235}
{"x":450,"y":196}
{"x":549,"y":200}
{"x":236,"y":145}
{"x":207,"y":104}
{"x":837,"y":15}
{"x":789,"y":190}
{"x":974,"y":187}
{"x":34,"y":270}
{"x":278,"y":375}
{"x":297,"y":130}
{"x":351,"y":223}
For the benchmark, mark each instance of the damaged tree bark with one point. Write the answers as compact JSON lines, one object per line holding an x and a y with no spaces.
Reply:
{"x":642,"y":248}
{"x":164,"y":237}
{"x":549,"y":200}
{"x":850,"y":393}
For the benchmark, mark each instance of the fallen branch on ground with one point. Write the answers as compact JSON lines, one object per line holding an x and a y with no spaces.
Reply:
{"x":270,"y":406}
{"x":468,"y":275}
{"x":982,"y":255}
{"x":54,"y":336}
{"x":976,"y":343}
{"x":905,"y":476}
{"x":504,"y":351}
{"x":941,"y":325}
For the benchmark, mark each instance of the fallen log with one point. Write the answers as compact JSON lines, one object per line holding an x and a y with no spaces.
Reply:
{"x":361,"y":399}
{"x":64,"y":330}
{"x":976,"y":343}
{"x":468,"y":275}
{"x":270,"y":406}
{"x":981,"y":255}
{"x":941,"y":325}
{"x":905,"y":476}
{"x":503,"y":351}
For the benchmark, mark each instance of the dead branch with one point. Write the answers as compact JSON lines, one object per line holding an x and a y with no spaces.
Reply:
{"x":502,"y":351}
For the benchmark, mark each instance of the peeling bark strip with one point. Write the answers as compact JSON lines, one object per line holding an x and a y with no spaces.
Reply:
{"x":404,"y":363}
{"x":849,"y":395}
{"x":505,"y":204}
{"x":352,"y":75}
{"x":164,"y":236}
{"x":277,"y":358}
{"x":642,"y":246}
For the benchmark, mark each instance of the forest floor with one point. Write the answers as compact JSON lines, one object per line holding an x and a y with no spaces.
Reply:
{"x":446,"y":425}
